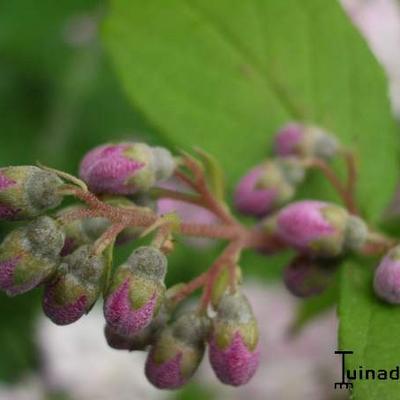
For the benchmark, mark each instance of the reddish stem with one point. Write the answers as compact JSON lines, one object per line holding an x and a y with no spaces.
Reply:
{"x":351,"y":179}
{"x":226,"y":258}
{"x":190,"y":287}
{"x":199,"y":184}
{"x":172,"y":194}
{"x":342,"y":190}
{"x":107,"y":238}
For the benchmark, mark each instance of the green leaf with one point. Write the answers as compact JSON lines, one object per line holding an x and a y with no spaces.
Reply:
{"x":370,"y":328}
{"x":225,"y":75}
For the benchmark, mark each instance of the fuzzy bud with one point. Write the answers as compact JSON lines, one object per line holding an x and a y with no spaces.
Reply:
{"x":27,"y":192}
{"x":387,"y":277}
{"x":136,"y":292}
{"x":233,"y":345}
{"x":305,"y":141}
{"x":306,"y":277}
{"x":268,"y":186}
{"x":177,"y":353}
{"x":165,"y":163}
{"x":140,"y":341}
{"x":76,"y":288}
{"x":29,"y":255}
{"x":125,"y":168}
{"x":317,"y":228}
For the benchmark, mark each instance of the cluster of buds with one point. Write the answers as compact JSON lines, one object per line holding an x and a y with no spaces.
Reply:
{"x":273,"y":183}
{"x":64,"y":254}
{"x":70,"y":253}
{"x":232,"y":338}
{"x":320,"y":232}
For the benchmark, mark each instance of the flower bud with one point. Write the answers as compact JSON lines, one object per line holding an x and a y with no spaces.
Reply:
{"x":233,"y":345}
{"x":177,"y":353}
{"x":165,"y":164}
{"x":268,"y":186}
{"x":27,"y":192}
{"x":306,"y":277}
{"x":29,"y":255}
{"x":306,"y":141}
{"x":75,"y":290}
{"x":318,"y":228}
{"x":387,"y":277}
{"x":140,"y":341}
{"x":136,"y":292}
{"x":125,"y":168}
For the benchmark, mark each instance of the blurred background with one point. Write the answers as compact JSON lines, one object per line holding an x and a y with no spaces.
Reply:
{"x":59,"y":97}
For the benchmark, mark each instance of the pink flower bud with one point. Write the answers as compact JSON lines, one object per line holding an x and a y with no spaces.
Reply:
{"x":268,"y":186}
{"x":317,"y":228}
{"x":306,"y":277}
{"x":29,"y":255}
{"x":233,"y":345}
{"x":125,"y":168}
{"x":236,"y":364}
{"x":76,"y":288}
{"x":296,"y":139}
{"x":289,"y":139}
{"x":177,"y":353}
{"x":140,"y":341}
{"x":136,"y":292}
{"x":27,"y":192}
{"x":387,"y":277}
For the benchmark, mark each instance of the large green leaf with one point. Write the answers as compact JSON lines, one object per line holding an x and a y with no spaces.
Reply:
{"x":224,"y":75}
{"x":370,"y":328}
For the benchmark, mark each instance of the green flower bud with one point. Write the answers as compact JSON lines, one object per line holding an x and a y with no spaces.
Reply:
{"x":27,"y":192}
{"x":177,"y":353}
{"x":29,"y":255}
{"x":75,"y":290}
{"x":233,"y":344}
